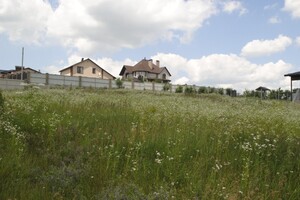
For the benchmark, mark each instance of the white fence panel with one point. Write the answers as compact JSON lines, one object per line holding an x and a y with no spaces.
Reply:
{"x":56,"y":80}
{"x":127,"y":85}
{"x":11,"y":84}
{"x":88,"y":82}
{"x":37,"y":78}
{"x":102,"y":83}
{"x":113,"y":84}
{"x":159,"y":87}
{"x":139,"y":86}
{"x":71,"y":81}
{"x":148,"y":86}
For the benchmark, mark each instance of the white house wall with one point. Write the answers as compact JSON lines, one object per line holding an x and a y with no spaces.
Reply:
{"x":160,"y":76}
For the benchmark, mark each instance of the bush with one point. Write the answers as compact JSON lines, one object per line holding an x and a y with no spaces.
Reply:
{"x":220,"y":91}
{"x":119,"y":83}
{"x":202,"y":90}
{"x":179,"y":89}
{"x":189,"y":90}
{"x":166,"y":87}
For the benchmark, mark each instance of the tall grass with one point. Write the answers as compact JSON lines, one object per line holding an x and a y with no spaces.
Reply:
{"x":81,"y":144}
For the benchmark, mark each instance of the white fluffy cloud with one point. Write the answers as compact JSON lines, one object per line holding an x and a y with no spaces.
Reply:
{"x":86,"y":26}
{"x":24,"y":20}
{"x":89,"y":25}
{"x":232,"y":6}
{"x":257,"y":48}
{"x":222,"y":70}
{"x":111,"y":25}
{"x":292,"y":6}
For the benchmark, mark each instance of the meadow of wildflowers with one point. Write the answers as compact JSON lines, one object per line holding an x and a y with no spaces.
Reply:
{"x":119,"y":144}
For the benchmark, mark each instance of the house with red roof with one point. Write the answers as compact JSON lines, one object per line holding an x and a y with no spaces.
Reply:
{"x":146,"y":70}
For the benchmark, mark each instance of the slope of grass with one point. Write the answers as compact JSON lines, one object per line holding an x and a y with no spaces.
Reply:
{"x":81,"y":144}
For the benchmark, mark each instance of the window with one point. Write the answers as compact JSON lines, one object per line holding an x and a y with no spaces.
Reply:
{"x":79,"y":70}
{"x":94,"y":70}
{"x":164,"y":76}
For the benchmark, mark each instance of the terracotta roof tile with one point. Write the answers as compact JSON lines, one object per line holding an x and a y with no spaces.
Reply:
{"x":143,"y":66}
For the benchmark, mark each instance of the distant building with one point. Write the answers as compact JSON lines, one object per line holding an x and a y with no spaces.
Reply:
{"x":17,"y":73}
{"x":86,"y":68}
{"x":146,"y":70}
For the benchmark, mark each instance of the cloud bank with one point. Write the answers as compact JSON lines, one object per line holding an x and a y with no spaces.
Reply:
{"x":258,"y":48}
{"x":86,"y":25}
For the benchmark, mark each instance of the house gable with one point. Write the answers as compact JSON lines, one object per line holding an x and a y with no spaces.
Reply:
{"x":86,"y":68}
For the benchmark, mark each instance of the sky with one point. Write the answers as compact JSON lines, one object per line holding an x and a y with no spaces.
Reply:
{"x":239,"y":44}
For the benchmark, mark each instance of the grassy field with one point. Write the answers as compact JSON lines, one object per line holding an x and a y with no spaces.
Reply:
{"x":88,"y":144}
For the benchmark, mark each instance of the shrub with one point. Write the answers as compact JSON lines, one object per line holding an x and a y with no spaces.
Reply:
{"x":189,"y":90}
{"x":220,"y":91}
{"x":119,"y":83}
{"x":166,"y":87}
{"x":201,"y":90}
{"x":179,"y":89}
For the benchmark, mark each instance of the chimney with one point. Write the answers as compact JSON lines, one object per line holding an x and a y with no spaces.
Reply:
{"x":157,"y":63}
{"x":150,"y":64}
{"x":82,"y":59}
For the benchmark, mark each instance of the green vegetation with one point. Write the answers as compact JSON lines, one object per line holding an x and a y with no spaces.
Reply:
{"x":179,"y":89}
{"x":119,"y":83}
{"x":119,"y":144}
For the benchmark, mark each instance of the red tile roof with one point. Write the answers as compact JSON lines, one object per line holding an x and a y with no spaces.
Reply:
{"x":143,"y":66}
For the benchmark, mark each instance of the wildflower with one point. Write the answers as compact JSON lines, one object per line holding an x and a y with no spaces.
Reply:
{"x":158,"y":161}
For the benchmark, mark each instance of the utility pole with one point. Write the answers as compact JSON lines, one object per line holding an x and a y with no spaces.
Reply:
{"x":22,"y":63}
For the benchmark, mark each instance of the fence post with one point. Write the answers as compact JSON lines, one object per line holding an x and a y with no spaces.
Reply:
{"x":110,"y":84}
{"x":171,"y":88}
{"x":80,"y":83}
{"x":28,"y":78}
{"x":132,"y":84}
{"x":47,"y":79}
{"x":153,"y":86}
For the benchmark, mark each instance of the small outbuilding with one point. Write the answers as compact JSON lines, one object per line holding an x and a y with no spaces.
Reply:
{"x":294,"y":77}
{"x":263,"y":91}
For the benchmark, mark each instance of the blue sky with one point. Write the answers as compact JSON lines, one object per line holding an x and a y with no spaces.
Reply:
{"x":222,"y":43}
